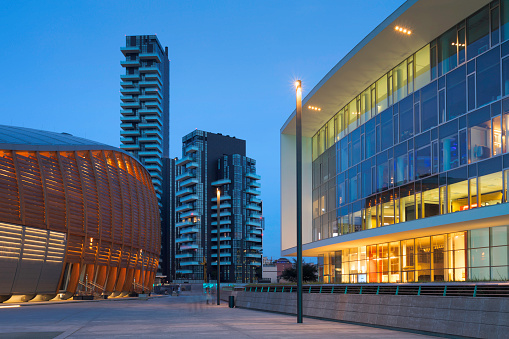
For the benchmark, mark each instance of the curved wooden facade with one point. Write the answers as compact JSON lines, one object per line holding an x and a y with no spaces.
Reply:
{"x":103,"y":203}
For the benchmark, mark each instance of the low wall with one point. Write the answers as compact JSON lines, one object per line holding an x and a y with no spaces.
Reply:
{"x":456,"y":316}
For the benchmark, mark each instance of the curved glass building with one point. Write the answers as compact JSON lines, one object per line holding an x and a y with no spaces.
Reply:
{"x":76,"y":216}
{"x":406,"y":151}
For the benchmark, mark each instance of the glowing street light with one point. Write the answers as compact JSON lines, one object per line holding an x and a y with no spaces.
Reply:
{"x":298,"y":135}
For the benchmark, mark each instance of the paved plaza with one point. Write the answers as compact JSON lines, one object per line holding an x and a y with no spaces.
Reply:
{"x":186,"y":316}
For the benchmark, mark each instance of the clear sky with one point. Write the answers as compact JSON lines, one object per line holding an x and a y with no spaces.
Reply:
{"x":232,"y":67}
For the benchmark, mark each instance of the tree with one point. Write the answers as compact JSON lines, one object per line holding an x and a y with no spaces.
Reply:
{"x":309,"y":272}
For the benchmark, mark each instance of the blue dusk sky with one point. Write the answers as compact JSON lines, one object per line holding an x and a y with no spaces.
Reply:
{"x":232,"y":67}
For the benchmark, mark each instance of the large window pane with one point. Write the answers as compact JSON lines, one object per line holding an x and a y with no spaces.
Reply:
{"x":407,"y":203}
{"x":423,"y":262}
{"x":479,"y":134}
{"x":340,"y":125}
{"x":381,"y":94}
{"x":422,"y":67}
{"x":344,"y":154}
{"x":429,"y":106}
{"x":488,"y":77}
{"x":449,"y":152}
{"x":399,"y":81}
{"x":406,"y":119}
{"x":370,"y":138}
{"x":366,"y":105}
{"x":490,"y":189}
{"x":423,"y":162}
{"x":352,"y":114}
{"x":458,"y":196}
{"x":330,"y":133}
{"x":447,"y":49}
{"x":386,"y":129}
{"x":504,"y":19}
{"x":478,"y":33}
{"x":401,"y":164}
{"x":456,"y":93}
{"x":382,"y":172}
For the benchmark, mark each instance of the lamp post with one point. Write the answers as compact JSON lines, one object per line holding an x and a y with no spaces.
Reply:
{"x":218,"y":292}
{"x":142,"y":277}
{"x":298,"y":136}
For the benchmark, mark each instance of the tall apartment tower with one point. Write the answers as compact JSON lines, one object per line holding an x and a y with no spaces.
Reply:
{"x":210,"y":162}
{"x":145,"y":104}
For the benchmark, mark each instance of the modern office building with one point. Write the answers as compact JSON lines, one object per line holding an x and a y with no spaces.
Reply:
{"x":406,"y":142}
{"x":75,"y":216}
{"x":210,"y":162}
{"x":168,"y":247}
{"x":145,"y":104}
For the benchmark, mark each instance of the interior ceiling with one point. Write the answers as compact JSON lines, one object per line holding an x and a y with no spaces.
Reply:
{"x":383,"y":49}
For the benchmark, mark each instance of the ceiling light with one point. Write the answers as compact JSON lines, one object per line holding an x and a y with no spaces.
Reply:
{"x":403,"y":30}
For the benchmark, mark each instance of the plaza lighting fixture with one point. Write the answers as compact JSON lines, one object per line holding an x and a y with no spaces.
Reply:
{"x":403,"y":30}
{"x":298,"y":136}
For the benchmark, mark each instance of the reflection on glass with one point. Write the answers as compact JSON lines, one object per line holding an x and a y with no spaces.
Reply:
{"x":381,"y":94}
{"x":399,"y":81}
{"x":422,"y":67}
{"x":497,"y":136}
{"x":477,"y":33}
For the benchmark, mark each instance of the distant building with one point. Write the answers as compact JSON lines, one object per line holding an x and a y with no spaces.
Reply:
{"x":168,"y":246}
{"x":145,"y":104}
{"x":209,"y":162}
{"x":281,"y":265}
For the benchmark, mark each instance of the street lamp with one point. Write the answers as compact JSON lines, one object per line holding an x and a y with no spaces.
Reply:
{"x":218,"y":194}
{"x":298,"y":136}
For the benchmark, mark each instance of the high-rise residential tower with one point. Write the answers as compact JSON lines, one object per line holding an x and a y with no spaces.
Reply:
{"x":145,"y":104}
{"x":209,"y":162}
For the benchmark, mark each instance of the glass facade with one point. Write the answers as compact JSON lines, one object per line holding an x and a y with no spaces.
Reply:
{"x":474,"y":255}
{"x":429,"y":137}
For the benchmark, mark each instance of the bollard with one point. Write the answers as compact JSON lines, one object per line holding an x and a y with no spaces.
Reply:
{"x":231,"y":301}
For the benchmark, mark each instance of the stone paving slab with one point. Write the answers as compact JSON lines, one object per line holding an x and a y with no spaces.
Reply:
{"x":186,"y":316}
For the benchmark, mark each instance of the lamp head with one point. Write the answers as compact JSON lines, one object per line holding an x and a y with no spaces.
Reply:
{"x":298,"y":84}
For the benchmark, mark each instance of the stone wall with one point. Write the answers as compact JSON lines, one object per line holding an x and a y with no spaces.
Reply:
{"x":457,"y":316}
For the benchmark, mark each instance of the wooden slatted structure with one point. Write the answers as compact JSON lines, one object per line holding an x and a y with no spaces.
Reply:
{"x":103,"y":200}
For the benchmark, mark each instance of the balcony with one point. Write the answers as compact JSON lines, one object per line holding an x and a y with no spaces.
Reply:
{"x":152,"y":168}
{"x":255,"y":184}
{"x":189,"y":230}
{"x":253,"y":255}
{"x":221,"y":239}
{"x":130,"y":49}
{"x":192,"y":165}
{"x":132,"y":118}
{"x":223,"y":247}
{"x":184,"y":239}
{"x":183,"y":160}
{"x":153,"y":104}
{"x":126,"y":98}
{"x":255,"y":200}
{"x":153,"y":147}
{"x":153,"y":77}
{"x":184,"y":271}
{"x":253,"y":239}
{"x":150,"y":118}
{"x":221,"y":182}
{"x":130,"y":77}
{"x":255,"y":216}
{"x":129,"y":91}
{"x":126,"y":112}
{"x":183,"y":192}
{"x":184,"y":224}
{"x":184,"y":176}
{"x":253,"y":207}
{"x":150,"y":56}
{"x":254,"y":223}
{"x":255,"y":232}
{"x":130,"y":133}
{"x":223,"y":255}
{"x":150,"y":125}
{"x":149,"y":139}
{"x":189,"y":263}
{"x":222,"y":197}
{"x":183,"y":255}
{"x":153,"y":90}
{"x":130,"y":63}
{"x":255,"y":264}
{"x":189,"y":214}
{"x":256,"y":248}
{"x":223,"y":263}
{"x":183,"y":208}
{"x":253,"y":191}
{"x":253,"y":176}
{"x":130,"y":105}
{"x":188,"y":247}
{"x":222,"y":214}
{"x":222,"y":230}
{"x":189,"y":182}
{"x":126,"y":84}
{"x":149,"y":154}
{"x":150,"y":70}
{"x":221,"y":206}
{"x":151,"y":132}
{"x":126,"y":140}
{"x":221,"y":222}
{"x":151,"y":111}
{"x":125,"y":126}
{"x":188,"y":198}
{"x":153,"y":161}
{"x":150,"y":98}
{"x":130,"y":147}
{"x":191,"y":149}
